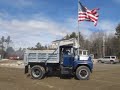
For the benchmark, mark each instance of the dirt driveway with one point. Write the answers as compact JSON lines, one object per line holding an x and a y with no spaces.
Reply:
{"x":104,"y":77}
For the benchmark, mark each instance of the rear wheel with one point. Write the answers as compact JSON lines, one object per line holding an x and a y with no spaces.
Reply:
{"x":83,"y":73}
{"x":111,"y":62}
{"x":37,"y":72}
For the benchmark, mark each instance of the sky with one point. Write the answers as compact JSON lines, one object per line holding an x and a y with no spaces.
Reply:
{"x":32,"y":21}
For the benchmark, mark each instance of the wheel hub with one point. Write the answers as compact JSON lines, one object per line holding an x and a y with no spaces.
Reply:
{"x":36,"y":73}
{"x":83,"y":73}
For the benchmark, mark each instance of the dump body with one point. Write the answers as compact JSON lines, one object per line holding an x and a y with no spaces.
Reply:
{"x":41,"y":56}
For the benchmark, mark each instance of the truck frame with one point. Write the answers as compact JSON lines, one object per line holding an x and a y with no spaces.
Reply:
{"x":64,"y":59}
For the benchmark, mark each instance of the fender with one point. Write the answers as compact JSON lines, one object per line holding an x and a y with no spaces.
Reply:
{"x":84,"y":62}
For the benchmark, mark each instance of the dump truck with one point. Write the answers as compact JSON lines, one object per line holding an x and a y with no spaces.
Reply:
{"x":65,"y":59}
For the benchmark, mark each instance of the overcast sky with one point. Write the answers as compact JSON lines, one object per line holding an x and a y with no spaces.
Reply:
{"x":32,"y":21}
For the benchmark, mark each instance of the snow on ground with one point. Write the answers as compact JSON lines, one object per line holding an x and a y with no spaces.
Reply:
{"x":12,"y":63}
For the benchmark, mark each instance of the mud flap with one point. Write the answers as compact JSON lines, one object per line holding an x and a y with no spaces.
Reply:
{"x":26,"y":69}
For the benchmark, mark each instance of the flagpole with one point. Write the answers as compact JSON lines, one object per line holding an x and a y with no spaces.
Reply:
{"x":78,"y":33}
{"x":78,"y":40}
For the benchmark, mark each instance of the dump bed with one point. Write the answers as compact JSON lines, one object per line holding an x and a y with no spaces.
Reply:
{"x":41,"y":56}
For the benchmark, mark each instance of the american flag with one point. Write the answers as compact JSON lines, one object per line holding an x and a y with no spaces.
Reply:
{"x":85,"y":14}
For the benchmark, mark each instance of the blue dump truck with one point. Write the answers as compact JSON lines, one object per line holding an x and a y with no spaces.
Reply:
{"x":64,"y":59}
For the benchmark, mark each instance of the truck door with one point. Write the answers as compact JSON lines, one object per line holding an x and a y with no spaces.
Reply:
{"x":67,"y":56}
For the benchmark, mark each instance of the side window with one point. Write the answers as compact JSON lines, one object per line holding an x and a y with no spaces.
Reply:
{"x":113,"y":57}
{"x":106,"y":57}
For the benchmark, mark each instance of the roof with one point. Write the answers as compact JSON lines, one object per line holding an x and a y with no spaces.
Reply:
{"x":63,"y":40}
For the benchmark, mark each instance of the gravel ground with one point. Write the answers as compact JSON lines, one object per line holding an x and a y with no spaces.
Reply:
{"x":104,"y":77}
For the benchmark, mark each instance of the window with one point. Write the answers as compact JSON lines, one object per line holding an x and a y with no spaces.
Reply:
{"x":84,"y":52}
{"x":80,"y":52}
{"x":113,"y":57}
{"x":107,"y":57}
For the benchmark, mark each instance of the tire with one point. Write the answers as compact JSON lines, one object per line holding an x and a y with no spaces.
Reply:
{"x":111,"y":62}
{"x":82,"y":73}
{"x":37,"y":72}
{"x":99,"y":61}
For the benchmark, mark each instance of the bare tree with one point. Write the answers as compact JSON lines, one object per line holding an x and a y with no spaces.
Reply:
{"x":96,"y":46}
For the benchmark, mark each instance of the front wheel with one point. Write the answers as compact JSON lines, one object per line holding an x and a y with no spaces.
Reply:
{"x":99,"y":61}
{"x":37,"y":72}
{"x":111,"y":62}
{"x":83,"y":73}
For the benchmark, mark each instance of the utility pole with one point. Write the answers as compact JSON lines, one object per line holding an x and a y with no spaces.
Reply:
{"x":2,"y":40}
{"x":103,"y":46}
{"x":2,"y":51}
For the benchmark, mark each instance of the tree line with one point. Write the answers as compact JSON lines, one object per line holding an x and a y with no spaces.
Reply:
{"x":94,"y":44}
{"x":4,"y":44}
{"x":99,"y":40}
{"x":7,"y":50}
